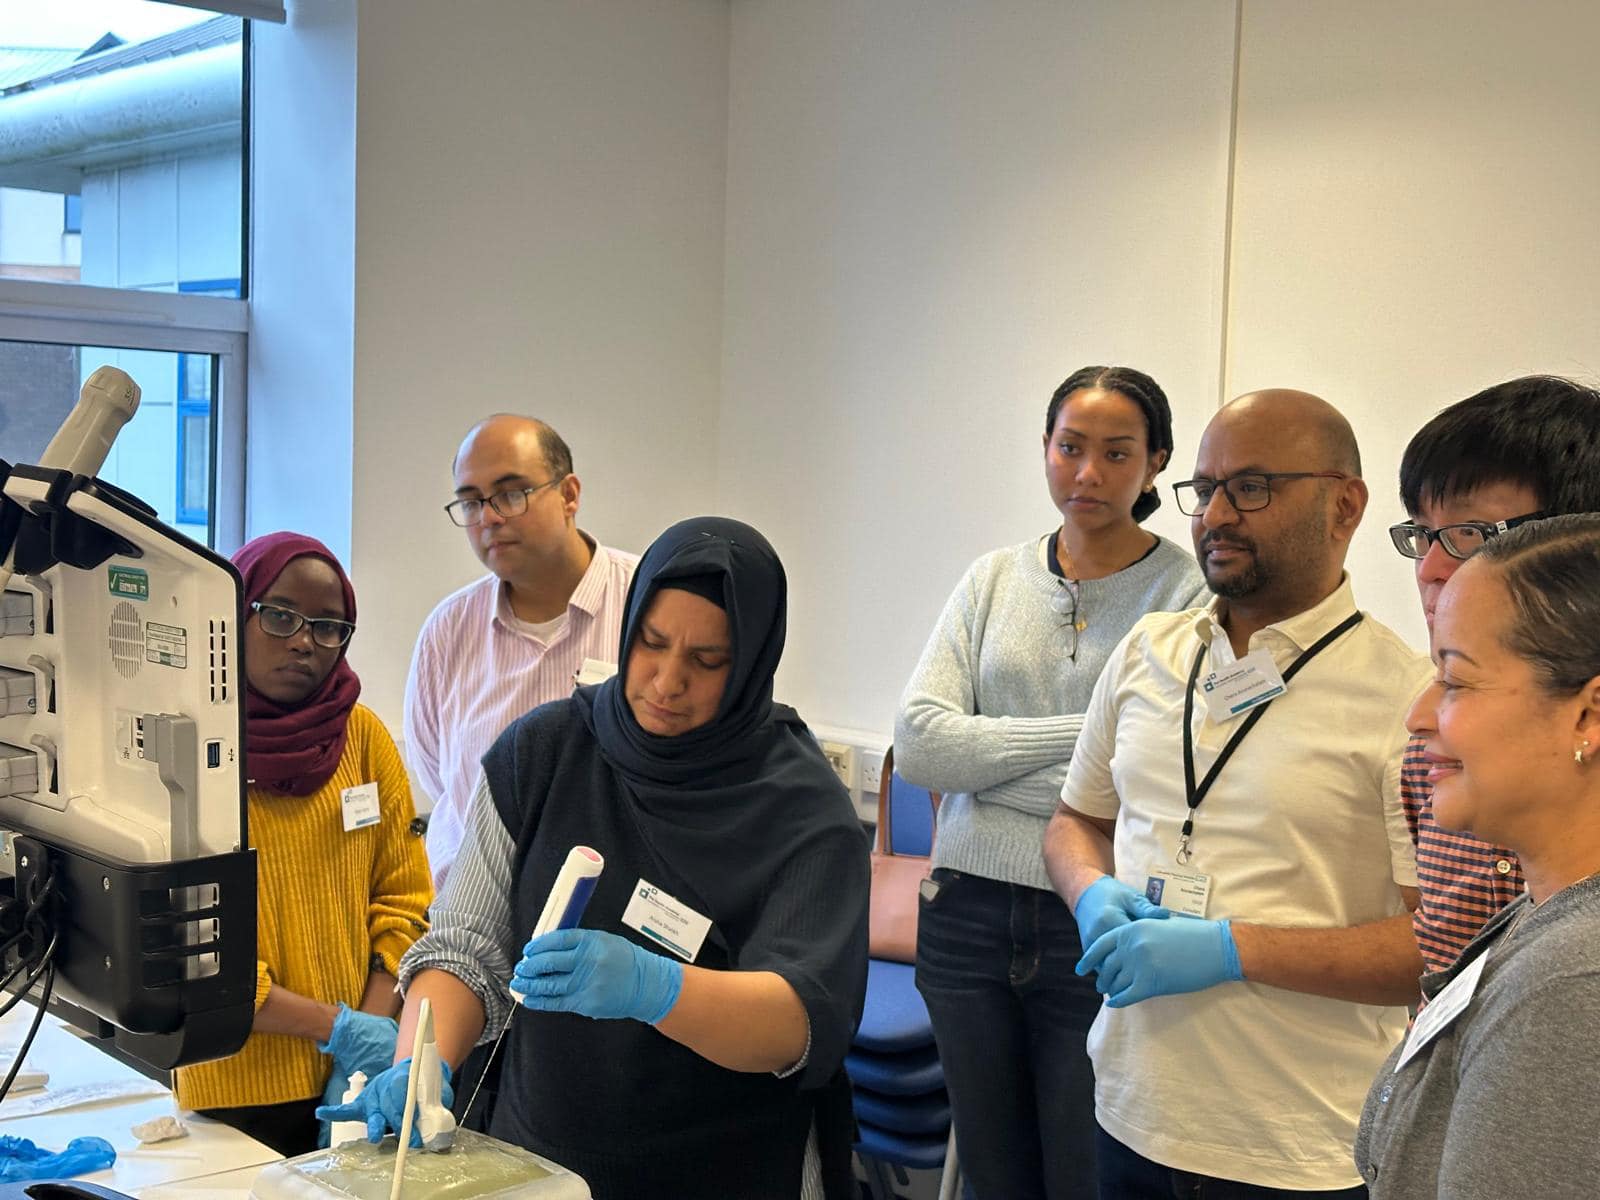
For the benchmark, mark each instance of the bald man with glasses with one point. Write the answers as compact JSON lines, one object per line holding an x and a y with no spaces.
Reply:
{"x":1239,"y":767}
{"x":515,"y":639}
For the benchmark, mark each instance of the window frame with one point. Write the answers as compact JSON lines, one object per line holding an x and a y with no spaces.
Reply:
{"x":79,"y":314}
{"x":187,"y":406}
{"x":85,"y":315}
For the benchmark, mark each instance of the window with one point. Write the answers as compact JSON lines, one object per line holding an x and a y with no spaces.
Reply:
{"x":140,"y":210}
{"x":149,"y":190}
{"x":165,"y":455}
{"x":196,"y":400}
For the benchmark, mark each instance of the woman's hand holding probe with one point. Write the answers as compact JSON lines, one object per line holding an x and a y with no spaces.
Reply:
{"x":596,"y":974}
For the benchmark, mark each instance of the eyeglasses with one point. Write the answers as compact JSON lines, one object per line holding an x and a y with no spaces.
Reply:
{"x":1247,"y":493}
{"x":512,"y":502}
{"x":1460,"y":539}
{"x":1065,"y":603}
{"x":285,"y":623}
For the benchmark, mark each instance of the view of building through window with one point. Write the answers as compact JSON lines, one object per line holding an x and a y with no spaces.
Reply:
{"x":121,"y":167}
{"x":164,"y":454}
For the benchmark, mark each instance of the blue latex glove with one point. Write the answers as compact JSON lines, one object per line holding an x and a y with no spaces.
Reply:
{"x":598,"y":975}
{"x":332,"y":1095}
{"x":360,"y":1042}
{"x":21,"y":1160}
{"x":1161,"y":958}
{"x":1108,"y":903}
{"x":382,"y":1103}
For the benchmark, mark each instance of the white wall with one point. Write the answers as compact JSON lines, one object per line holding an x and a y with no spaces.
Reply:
{"x":1414,"y":219}
{"x":819,"y":264}
{"x":539,"y":219}
{"x":31,"y":230}
{"x":935,"y":214}
{"x":302,"y":311}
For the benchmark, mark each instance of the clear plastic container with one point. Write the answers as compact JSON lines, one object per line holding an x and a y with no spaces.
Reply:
{"x":476,"y":1168}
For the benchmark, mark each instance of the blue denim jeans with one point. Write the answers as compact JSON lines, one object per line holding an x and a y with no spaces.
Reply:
{"x":1126,"y":1175}
{"x":994,"y":963}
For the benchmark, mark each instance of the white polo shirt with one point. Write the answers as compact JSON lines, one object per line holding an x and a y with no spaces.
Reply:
{"x":1303,"y":827}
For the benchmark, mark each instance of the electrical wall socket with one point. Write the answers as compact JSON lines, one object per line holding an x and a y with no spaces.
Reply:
{"x":871,"y":773}
{"x":842,"y":759}
{"x":860,"y":776}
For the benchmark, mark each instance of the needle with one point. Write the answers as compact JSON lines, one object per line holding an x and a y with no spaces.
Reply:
{"x":563,"y":908}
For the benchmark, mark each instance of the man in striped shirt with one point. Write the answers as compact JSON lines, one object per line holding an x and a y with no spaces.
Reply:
{"x":516,"y":638}
{"x":1520,"y":450}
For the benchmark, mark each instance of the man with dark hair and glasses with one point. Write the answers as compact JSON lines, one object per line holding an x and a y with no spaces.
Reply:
{"x":1243,"y":761}
{"x":1521,"y":450}
{"x":516,"y":638}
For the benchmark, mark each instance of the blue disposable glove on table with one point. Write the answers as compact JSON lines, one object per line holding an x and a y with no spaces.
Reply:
{"x":1161,"y":958}
{"x":1108,"y":903}
{"x":598,"y":975}
{"x":21,"y":1160}
{"x":382,"y":1103}
{"x":361,"y":1042}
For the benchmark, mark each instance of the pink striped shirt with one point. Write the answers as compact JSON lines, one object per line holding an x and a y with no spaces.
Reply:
{"x":474,"y":672}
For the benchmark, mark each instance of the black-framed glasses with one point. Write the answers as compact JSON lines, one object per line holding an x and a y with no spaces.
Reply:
{"x":512,"y":502}
{"x":1065,"y":603}
{"x":285,"y":622}
{"x":1460,"y":539}
{"x":1247,"y":492}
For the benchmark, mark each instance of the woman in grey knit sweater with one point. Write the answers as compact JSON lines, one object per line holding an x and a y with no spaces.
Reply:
{"x":990,"y":718}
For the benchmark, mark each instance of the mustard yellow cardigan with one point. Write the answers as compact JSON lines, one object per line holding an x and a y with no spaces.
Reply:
{"x":327,"y":902}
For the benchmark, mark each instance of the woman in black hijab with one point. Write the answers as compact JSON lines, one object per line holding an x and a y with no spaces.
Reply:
{"x":688,"y":1038}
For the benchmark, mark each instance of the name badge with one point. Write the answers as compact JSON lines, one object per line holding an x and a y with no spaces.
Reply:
{"x":1244,"y":684}
{"x":360,"y":806}
{"x":1442,"y":1009}
{"x":594,"y":670}
{"x":1181,"y":891}
{"x":665,"y":920}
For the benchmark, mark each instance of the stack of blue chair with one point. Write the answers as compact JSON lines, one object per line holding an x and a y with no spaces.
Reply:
{"x":902,"y":1109}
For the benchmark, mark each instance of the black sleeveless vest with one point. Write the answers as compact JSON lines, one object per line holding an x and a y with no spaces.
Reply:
{"x":639,"y":1116}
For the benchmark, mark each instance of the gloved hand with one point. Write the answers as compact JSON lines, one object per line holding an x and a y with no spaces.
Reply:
{"x":1108,"y":903}
{"x":20,"y":1159}
{"x":382,"y":1103}
{"x":596,"y":974}
{"x":1161,"y":958}
{"x":332,"y":1095}
{"x":360,"y":1042}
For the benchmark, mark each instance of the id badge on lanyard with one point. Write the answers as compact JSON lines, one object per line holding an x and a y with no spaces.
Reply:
{"x":1252,"y":691}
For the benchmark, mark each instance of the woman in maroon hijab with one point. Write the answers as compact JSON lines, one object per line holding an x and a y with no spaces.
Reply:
{"x":343,"y":883}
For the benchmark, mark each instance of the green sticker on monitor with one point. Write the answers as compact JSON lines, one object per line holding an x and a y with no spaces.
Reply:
{"x":131,"y":583}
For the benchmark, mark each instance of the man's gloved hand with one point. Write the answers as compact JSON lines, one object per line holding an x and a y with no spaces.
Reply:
{"x":596,"y":974}
{"x":382,"y":1103}
{"x":1161,"y":958}
{"x":360,"y":1042}
{"x":1108,"y":903}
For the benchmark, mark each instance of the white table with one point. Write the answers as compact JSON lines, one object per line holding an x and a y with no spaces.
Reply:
{"x":213,"y":1161}
{"x":227,"y":1185}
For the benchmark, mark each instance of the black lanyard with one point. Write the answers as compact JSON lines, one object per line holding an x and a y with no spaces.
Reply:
{"x":1194,"y":795}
